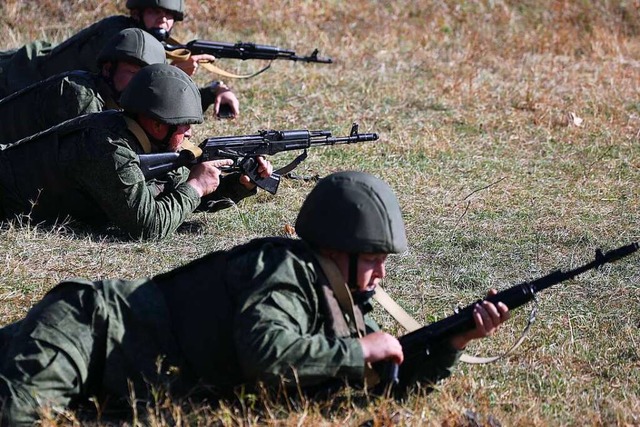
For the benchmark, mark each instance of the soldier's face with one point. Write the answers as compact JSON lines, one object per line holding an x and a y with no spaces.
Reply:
{"x":158,"y":131}
{"x":157,"y":17}
{"x":371,"y":268}
{"x":182,"y":132}
{"x":123,"y":74}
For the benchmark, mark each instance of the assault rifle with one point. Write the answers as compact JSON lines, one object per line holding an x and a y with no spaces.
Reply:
{"x":417,"y":344}
{"x":244,"y":51}
{"x":244,"y":149}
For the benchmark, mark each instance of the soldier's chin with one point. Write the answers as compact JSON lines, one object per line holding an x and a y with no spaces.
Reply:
{"x":159,"y":33}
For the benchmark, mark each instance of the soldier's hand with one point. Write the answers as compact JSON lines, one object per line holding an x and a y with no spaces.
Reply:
{"x":227,"y":98}
{"x":378,"y":346}
{"x":190,"y":65}
{"x":488,"y":317}
{"x":265,"y":169}
{"x":205,"y":177}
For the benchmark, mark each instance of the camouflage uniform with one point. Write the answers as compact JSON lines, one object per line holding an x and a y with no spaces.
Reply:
{"x":256,"y":312}
{"x":87,"y":168}
{"x":37,"y":61}
{"x":59,"y":98}
{"x":68,"y":95}
{"x":73,"y":344}
{"x":52,"y":101}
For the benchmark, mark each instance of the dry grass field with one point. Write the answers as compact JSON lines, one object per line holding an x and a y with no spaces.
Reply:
{"x":510,"y":132}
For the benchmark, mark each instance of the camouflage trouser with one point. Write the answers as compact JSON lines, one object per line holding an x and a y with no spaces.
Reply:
{"x":105,"y":339}
{"x":52,"y":355}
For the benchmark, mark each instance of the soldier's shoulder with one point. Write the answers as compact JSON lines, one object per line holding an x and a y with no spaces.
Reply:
{"x":108,"y":121}
{"x":281,"y":256}
{"x":72,"y":84}
{"x":78,"y":79}
{"x":119,"y":22}
{"x":107,"y":126}
{"x":103,"y":29}
{"x":274,"y":247}
{"x":80,"y":85}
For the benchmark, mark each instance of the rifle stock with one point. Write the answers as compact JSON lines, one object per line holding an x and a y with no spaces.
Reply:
{"x":419,"y":342}
{"x":244,"y":150}
{"x":155,"y":165}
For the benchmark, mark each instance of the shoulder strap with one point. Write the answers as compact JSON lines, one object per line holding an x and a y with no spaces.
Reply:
{"x":139,"y":133}
{"x":393,"y":308}
{"x":342,"y":294}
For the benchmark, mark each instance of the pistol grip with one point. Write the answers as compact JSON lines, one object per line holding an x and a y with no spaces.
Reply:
{"x":249,"y":167}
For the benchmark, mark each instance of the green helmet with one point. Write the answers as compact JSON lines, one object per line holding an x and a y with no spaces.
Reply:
{"x":352,"y":212}
{"x":133,"y":45}
{"x":175,"y":6}
{"x":164,"y":93}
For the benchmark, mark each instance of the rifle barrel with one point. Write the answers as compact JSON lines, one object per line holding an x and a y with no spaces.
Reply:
{"x":514,"y":297}
{"x":245,"y":50}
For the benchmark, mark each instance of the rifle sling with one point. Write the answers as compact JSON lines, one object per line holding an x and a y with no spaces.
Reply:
{"x":139,"y":133}
{"x":410,"y":324}
{"x":292,"y":165}
{"x":184,"y":54}
{"x":393,"y":308}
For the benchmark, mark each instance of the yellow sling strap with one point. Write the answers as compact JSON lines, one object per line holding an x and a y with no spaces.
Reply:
{"x":402,"y":317}
{"x":184,"y":54}
{"x":139,"y":133}
{"x":343,"y":295}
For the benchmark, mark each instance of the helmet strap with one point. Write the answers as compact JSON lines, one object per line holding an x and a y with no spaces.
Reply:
{"x":164,"y":142}
{"x":360,"y":298}
{"x":109,"y":80}
{"x":352,"y":280}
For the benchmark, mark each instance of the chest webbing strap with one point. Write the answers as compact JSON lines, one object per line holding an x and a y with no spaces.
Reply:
{"x":342,"y":294}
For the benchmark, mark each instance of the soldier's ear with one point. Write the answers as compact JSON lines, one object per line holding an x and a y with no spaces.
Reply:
{"x":152,"y":126}
{"x":107,"y":68}
{"x":135,"y":14}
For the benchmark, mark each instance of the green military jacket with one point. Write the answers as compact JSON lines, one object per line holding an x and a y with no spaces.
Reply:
{"x":51,"y":102}
{"x":87,"y":169}
{"x":257,"y":313}
{"x":39,"y":60}
{"x":231,"y":318}
{"x":58,"y":98}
